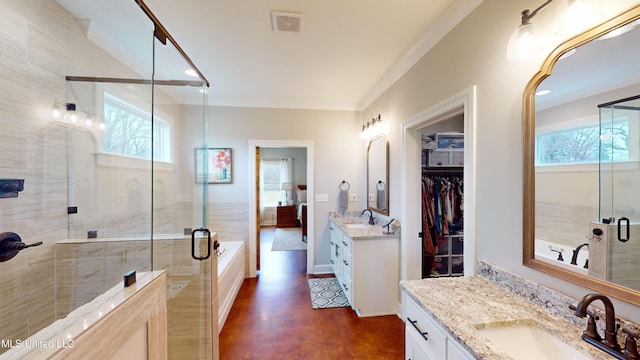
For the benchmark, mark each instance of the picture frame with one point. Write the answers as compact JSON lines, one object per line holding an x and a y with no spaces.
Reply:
{"x":218,"y":164}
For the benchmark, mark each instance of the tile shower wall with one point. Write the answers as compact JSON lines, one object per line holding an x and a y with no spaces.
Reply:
{"x":34,"y":59}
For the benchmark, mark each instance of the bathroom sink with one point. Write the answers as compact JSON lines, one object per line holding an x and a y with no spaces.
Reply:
{"x":357,"y":226}
{"x":528,"y":341}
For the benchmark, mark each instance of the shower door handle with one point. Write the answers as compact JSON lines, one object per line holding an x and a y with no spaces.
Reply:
{"x":620,"y":238}
{"x":193,"y":244}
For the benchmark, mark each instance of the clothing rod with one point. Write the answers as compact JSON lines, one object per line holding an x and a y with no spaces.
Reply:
{"x":193,"y":83}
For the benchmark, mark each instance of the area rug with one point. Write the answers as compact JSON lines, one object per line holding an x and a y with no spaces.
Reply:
{"x":288,"y":239}
{"x":326,"y":293}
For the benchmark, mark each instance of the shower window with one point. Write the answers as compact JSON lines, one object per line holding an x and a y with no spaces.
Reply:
{"x":128,"y":131}
{"x":582,"y":144}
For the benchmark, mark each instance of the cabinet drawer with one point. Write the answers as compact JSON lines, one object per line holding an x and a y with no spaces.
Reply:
{"x":415,"y":346}
{"x":420,"y":324}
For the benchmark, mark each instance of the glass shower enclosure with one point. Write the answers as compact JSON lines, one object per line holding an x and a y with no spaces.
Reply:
{"x":127,"y":145}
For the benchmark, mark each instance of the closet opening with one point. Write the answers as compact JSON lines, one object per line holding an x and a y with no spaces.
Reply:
{"x":442,"y":198}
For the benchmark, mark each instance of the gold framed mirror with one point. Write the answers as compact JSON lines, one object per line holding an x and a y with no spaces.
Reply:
{"x":530,"y":172}
{"x":378,"y":175}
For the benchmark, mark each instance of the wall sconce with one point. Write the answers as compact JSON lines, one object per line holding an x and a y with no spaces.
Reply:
{"x":69,"y":113}
{"x":372,"y":128}
{"x":571,"y":16}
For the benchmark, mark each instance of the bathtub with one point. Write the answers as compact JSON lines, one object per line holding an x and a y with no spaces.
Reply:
{"x":544,"y":253}
{"x":230,"y":277}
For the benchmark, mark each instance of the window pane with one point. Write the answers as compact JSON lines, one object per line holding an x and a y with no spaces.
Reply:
{"x":128,"y":131}
{"x":582,"y":145}
{"x":271,"y":192}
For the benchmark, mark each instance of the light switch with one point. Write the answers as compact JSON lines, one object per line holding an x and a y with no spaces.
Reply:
{"x":371,"y":197}
{"x":353,"y":197}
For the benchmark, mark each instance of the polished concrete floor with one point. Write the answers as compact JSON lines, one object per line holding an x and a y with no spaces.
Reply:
{"x":272,"y":318}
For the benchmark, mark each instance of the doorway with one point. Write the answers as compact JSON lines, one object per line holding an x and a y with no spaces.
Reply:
{"x":254,"y":196}
{"x":462,"y":104}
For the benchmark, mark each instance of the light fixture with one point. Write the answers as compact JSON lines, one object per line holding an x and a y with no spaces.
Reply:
{"x":543,"y":92}
{"x":574,"y":16}
{"x":286,"y":186}
{"x":523,"y":42}
{"x":372,"y":128}
{"x":571,"y":16}
{"x":57,"y":111}
{"x":71,"y":115}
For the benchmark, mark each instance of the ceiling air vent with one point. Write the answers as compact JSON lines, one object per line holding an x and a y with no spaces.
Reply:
{"x":286,"y":22}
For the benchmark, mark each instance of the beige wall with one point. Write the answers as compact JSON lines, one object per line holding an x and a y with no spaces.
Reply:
{"x":474,"y":53}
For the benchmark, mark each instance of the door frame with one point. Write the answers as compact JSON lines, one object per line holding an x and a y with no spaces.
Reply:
{"x":410,"y":193}
{"x":253,"y":198}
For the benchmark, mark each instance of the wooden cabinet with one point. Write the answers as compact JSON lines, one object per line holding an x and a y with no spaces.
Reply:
{"x":367,"y":270}
{"x":286,"y":216}
{"x":425,"y":338}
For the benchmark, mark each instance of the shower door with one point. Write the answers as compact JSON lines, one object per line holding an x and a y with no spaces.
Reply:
{"x":183,"y":245}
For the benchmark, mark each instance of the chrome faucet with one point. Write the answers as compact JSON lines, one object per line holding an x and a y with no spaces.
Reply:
{"x":574,"y":258}
{"x":371,"y":219}
{"x":610,"y":342}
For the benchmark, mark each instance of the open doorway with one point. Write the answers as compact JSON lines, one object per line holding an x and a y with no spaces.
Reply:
{"x":302,"y":175}
{"x":462,"y":105}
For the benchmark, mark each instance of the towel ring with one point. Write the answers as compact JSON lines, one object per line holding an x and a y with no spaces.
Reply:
{"x":343,"y":184}
{"x":381,"y":185}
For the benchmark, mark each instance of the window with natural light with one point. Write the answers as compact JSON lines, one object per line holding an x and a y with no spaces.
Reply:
{"x":128,"y":131}
{"x":270,"y":177}
{"x":586,"y":144}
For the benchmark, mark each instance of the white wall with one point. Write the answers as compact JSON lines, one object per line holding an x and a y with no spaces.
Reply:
{"x":337,"y":156}
{"x":474,"y":53}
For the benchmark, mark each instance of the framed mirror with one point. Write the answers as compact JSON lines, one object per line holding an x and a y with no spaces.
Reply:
{"x":561,"y":190}
{"x":378,"y":175}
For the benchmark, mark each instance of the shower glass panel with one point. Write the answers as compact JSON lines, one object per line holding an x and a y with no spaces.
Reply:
{"x":619,"y":156}
{"x":180,"y":205}
{"x":116,"y":180}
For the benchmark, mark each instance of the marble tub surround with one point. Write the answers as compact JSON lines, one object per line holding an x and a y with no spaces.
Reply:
{"x":464,"y":305}
{"x":364,"y":230}
{"x":131,"y":319}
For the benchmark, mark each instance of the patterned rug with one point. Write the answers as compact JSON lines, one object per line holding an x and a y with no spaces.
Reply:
{"x":288,"y":239}
{"x":326,"y":293}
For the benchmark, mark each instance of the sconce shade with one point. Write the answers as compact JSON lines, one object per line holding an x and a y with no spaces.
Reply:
{"x":286,"y":186}
{"x":523,"y":43}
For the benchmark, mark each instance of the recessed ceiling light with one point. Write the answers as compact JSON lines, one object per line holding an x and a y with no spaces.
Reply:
{"x":191,"y":72}
{"x":543,"y":92}
{"x":621,"y":30}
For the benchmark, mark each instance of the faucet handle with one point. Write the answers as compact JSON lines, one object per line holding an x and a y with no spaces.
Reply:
{"x":630,"y":350}
{"x":592,"y":330}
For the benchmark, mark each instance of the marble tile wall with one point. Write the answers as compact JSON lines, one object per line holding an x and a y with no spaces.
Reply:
{"x":562,"y":223}
{"x":34,"y":58}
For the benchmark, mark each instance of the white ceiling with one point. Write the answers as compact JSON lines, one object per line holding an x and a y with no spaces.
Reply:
{"x":347,"y":53}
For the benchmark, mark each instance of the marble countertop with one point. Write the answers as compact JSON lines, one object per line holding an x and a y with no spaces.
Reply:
{"x":462,"y":305}
{"x":357,"y":228}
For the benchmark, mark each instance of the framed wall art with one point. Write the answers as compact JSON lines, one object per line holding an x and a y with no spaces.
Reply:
{"x":217,"y":162}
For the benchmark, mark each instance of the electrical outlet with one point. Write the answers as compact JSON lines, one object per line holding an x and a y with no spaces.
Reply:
{"x":353,"y":197}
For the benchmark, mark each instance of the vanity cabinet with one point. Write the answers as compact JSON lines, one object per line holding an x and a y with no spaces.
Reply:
{"x":367,"y":270}
{"x":425,"y":339}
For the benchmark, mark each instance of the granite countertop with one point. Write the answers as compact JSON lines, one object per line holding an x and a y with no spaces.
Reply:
{"x":462,"y":305}
{"x":358,"y":228}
